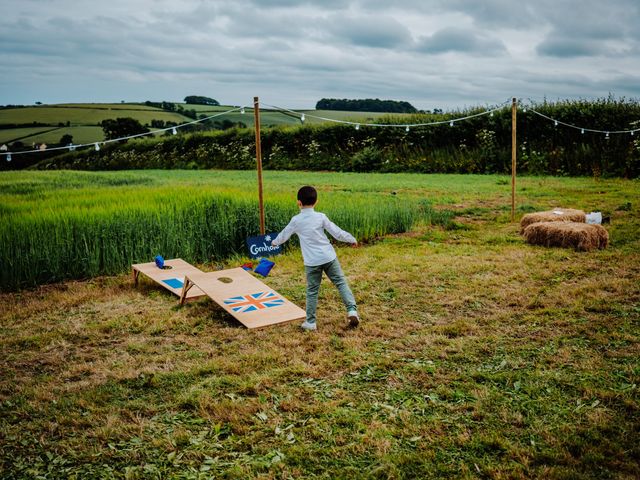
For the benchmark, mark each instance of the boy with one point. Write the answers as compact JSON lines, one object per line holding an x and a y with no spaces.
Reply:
{"x":319,"y":255}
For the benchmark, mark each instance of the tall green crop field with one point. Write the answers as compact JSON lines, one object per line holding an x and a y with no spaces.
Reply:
{"x":61,"y":225}
{"x":72,"y":224}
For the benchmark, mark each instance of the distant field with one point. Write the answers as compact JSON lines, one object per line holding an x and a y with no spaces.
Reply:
{"x":90,"y":114}
{"x":50,"y":135}
{"x":352,"y":116}
{"x":109,"y":106}
{"x":80,"y":134}
{"x":207,"y":108}
{"x":273,"y":117}
{"x":25,"y":135}
{"x":84,"y":118}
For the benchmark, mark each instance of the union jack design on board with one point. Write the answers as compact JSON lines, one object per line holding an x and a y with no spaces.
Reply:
{"x":254,"y":301}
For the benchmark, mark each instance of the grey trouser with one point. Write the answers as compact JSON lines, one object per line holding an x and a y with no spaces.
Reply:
{"x":336,"y":275}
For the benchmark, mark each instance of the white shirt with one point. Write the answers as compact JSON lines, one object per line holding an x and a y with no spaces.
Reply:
{"x":309,"y":225}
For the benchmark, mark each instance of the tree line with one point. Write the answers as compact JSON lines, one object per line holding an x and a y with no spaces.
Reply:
{"x":365,"y":105}
{"x":199,"y":100}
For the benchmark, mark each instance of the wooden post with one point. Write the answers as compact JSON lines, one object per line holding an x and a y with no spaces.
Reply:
{"x":514,"y":108}
{"x":256,"y":114}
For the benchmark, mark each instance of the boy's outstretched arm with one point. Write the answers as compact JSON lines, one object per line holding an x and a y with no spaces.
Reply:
{"x":337,"y":233}
{"x":284,"y":235}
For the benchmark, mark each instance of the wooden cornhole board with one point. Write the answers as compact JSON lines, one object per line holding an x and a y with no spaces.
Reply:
{"x":171,"y":278}
{"x":250,"y":301}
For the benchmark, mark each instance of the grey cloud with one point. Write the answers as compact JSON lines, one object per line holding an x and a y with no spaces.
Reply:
{"x":370,"y":31}
{"x":630,"y":84}
{"x":293,"y":52}
{"x":459,"y":40}
{"x":493,"y":12}
{"x":591,"y":28}
{"x":320,"y":4}
{"x":566,"y":47}
{"x":484,"y":13}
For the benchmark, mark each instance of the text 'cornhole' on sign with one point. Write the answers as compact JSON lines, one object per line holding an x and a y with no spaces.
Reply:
{"x":260,"y":246}
{"x":250,"y":301}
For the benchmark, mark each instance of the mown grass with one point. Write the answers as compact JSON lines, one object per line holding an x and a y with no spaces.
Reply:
{"x":478,"y":357}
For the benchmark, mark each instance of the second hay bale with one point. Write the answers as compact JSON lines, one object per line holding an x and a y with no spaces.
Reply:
{"x":556,"y":215}
{"x":580,"y":236}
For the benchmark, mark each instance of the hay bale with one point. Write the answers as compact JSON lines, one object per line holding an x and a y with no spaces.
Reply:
{"x":580,"y":236}
{"x":555,"y":215}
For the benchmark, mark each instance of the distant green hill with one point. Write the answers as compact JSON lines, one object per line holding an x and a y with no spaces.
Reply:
{"x":48,"y":123}
{"x":82,"y":121}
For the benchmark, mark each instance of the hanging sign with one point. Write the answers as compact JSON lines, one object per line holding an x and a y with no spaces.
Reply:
{"x":260,"y":246}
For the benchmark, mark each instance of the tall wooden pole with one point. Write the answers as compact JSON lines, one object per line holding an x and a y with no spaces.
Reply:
{"x":256,"y":115}
{"x":513,"y":159}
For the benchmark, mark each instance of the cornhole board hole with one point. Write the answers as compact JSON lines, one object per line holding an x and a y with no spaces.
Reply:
{"x":250,"y":301}
{"x":170,"y":278}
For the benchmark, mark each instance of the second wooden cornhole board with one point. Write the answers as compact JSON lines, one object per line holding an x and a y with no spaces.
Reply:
{"x":170,"y":278}
{"x":250,"y":301}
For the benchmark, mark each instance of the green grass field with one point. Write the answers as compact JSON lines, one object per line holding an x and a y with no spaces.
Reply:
{"x":478,"y":356}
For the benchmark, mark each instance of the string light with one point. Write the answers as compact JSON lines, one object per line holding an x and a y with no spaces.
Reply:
{"x":387,"y":125}
{"x":72,"y":147}
{"x":607,"y":133}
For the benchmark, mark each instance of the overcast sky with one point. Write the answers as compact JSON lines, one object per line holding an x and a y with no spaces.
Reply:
{"x":291,"y":53}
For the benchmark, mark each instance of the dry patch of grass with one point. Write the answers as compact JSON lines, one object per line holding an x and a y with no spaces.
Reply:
{"x":478,"y":357}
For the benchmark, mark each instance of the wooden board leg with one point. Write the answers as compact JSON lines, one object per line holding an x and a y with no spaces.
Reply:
{"x":185,"y":289}
{"x":136,"y":274}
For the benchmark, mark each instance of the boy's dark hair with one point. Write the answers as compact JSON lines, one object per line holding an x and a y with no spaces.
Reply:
{"x":307,"y":196}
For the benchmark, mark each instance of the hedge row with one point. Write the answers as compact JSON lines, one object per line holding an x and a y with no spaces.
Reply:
{"x":477,"y":145}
